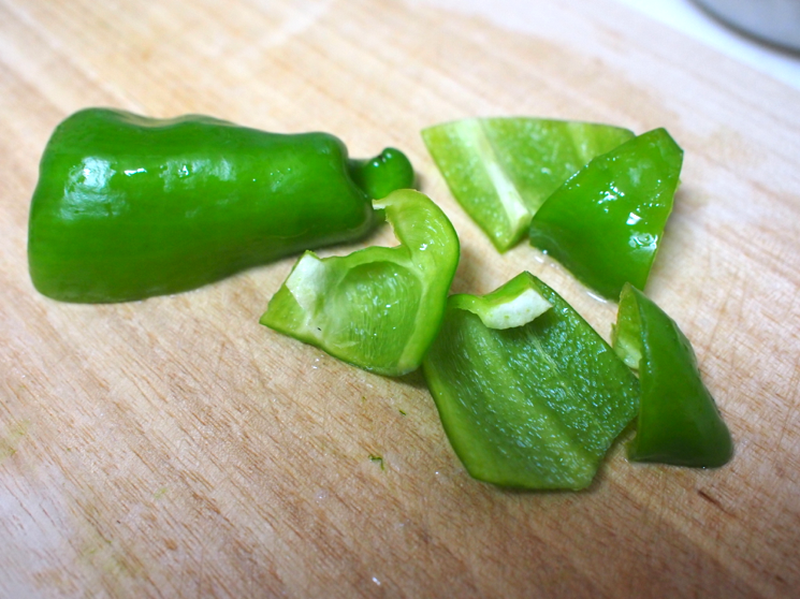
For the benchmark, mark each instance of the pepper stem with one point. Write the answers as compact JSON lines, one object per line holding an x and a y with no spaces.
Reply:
{"x":378,"y":177}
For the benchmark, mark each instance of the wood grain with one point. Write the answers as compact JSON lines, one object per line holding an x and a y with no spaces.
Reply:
{"x":174,"y":447}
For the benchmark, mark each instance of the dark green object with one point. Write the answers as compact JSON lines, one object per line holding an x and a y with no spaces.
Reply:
{"x":605,"y":223}
{"x":679,"y":422}
{"x":378,"y":308}
{"x":129,"y":207}
{"x":529,"y":394}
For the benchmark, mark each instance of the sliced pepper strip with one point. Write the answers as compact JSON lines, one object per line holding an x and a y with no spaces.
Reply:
{"x":534,"y":405}
{"x":679,"y":422}
{"x":501,"y":170}
{"x":378,"y":308}
{"x":605,"y":223}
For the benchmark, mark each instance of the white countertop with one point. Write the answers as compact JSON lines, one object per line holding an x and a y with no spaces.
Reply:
{"x":689,"y":18}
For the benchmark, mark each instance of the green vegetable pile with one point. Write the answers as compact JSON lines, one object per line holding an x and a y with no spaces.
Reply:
{"x":530,"y":396}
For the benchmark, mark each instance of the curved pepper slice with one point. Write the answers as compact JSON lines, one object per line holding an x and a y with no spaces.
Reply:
{"x":501,"y":170}
{"x":128,"y":207}
{"x":529,"y":394}
{"x":679,"y":423}
{"x":378,"y":308}
{"x":605,"y":223}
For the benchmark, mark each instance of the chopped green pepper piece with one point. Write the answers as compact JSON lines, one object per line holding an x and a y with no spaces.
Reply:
{"x":533,"y":405}
{"x":128,"y":207}
{"x":605,"y":223}
{"x":501,"y":170}
{"x":378,"y":308}
{"x":679,"y":423}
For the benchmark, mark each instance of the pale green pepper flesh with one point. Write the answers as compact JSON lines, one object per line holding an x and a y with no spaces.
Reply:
{"x":534,"y":406}
{"x":378,"y":308}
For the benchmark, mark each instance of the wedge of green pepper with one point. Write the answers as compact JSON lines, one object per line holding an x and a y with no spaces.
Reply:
{"x":529,"y":394}
{"x":128,"y":207}
{"x":605,"y":223}
{"x":679,"y":422}
{"x":378,"y":308}
{"x":502,"y":169}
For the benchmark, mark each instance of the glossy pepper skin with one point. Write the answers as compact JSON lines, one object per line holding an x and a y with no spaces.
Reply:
{"x":605,"y":223}
{"x":529,"y":394}
{"x":679,"y":422}
{"x":129,"y":207}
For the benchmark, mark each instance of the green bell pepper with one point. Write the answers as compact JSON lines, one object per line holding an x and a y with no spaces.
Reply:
{"x":128,"y":207}
{"x":605,"y":223}
{"x":378,"y":308}
{"x":529,"y":394}
{"x":501,"y":170}
{"x":679,"y":423}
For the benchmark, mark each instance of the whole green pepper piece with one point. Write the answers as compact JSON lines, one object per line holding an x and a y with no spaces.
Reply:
{"x":529,"y":394}
{"x":679,"y":423}
{"x":129,"y":207}
{"x":378,"y":308}
{"x":606,"y":222}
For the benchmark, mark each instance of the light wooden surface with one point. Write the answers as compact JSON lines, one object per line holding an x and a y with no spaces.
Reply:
{"x":175,"y":447}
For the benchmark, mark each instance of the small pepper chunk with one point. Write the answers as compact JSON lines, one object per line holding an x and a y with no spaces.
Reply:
{"x":679,"y":422}
{"x":502,"y":169}
{"x":128,"y":207}
{"x":533,"y":405}
{"x":605,"y":223}
{"x":378,"y":308}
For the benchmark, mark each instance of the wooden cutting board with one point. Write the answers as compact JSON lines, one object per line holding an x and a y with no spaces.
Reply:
{"x":175,"y":447}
